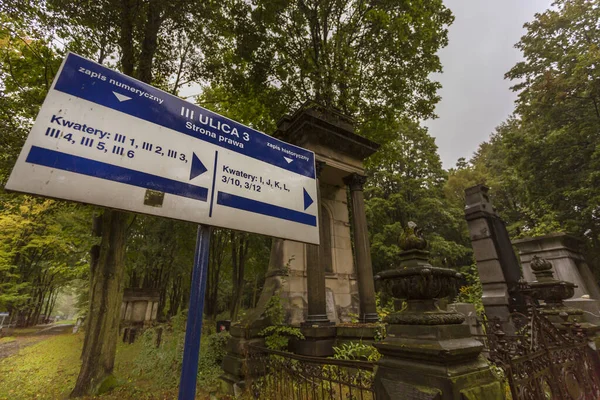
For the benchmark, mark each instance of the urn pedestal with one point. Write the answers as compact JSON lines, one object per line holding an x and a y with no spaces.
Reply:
{"x":428,"y":353}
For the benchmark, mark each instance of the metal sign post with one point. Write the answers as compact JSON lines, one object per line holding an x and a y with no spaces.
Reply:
{"x":193,"y":329}
{"x":104,"y":138}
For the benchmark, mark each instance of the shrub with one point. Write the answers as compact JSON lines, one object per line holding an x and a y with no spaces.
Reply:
{"x":356,"y":351}
{"x":162,"y":364}
{"x":277,"y":335}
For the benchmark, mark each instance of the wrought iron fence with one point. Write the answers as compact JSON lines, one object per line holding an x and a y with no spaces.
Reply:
{"x":280,"y":375}
{"x":542,"y":362}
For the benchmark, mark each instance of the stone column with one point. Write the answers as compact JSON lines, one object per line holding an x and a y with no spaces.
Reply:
{"x":315,"y":273}
{"x":318,"y":331}
{"x":362,"y":248}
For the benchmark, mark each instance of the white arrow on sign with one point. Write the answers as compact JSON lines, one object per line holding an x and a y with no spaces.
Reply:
{"x":289,"y":160}
{"x":121,"y":97}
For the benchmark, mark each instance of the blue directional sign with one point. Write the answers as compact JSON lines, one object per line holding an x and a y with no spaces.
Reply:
{"x":104,"y":138}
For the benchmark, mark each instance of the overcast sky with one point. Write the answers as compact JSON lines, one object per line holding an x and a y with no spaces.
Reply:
{"x":475,"y":96}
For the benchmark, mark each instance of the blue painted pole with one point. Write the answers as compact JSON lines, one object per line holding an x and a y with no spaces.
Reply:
{"x":193,"y":329}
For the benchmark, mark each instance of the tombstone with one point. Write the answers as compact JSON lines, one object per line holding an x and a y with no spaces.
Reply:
{"x":568,"y":264}
{"x":138,"y":311}
{"x":497,"y":264}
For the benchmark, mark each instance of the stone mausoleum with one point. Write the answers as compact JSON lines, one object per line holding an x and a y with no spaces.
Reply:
{"x":339,"y":154}
{"x":138,"y":311}
{"x":319,"y":285}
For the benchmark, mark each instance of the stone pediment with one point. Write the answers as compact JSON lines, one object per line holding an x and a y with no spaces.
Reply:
{"x":326,"y":132}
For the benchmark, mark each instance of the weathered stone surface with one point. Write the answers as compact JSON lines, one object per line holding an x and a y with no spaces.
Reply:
{"x":491,"y":391}
{"x":498,"y":268}
{"x":446,"y":382}
{"x":428,"y":353}
{"x":392,"y":389}
{"x":568,"y":264}
{"x":331,"y":136}
{"x":469,"y":312}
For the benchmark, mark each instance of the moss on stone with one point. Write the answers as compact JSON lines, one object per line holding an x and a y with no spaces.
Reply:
{"x":489,"y":391}
{"x":107,"y":384}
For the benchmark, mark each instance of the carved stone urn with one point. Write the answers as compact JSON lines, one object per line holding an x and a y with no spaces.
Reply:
{"x":428,"y":352}
{"x":553,"y":293}
{"x":546,"y":288}
{"x":416,"y":285}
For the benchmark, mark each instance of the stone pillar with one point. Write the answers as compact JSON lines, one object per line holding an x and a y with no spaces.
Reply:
{"x":362,"y":248}
{"x":318,"y":331}
{"x":498,"y":268}
{"x":236,"y":364}
{"x":315,"y":273}
{"x":428,"y":353}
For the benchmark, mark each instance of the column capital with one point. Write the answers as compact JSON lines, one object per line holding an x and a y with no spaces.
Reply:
{"x":355,"y":181}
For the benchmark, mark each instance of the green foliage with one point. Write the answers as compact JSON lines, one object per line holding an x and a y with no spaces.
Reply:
{"x":369,"y":59}
{"x":384,"y":304}
{"x":472,"y":291}
{"x":160,"y":254}
{"x":556,"y":147}
{"x":48,"y":369}
{"x":542,"y":164}
{"x":26,"y":72}
{"x":44,"y":370}
{"x":406,"y":183}
{"x":216,"y":346}
{"x":356,"y":351}
{"x":44,"y":245}
{"x":212,"y":350}
{"x":277,"y":334}
{"x":162,"y":364}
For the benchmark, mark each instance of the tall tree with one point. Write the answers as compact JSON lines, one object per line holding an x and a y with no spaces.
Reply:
{"x":406,"y":183}
{"x":555,"y":144}
{"x":219,"y":244}
{"x":372,"y":60}
{"x":160,"y":254}
{"x":152,"y":41}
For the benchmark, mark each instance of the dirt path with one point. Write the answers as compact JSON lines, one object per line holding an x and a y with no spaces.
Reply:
{"x":21,"y":341}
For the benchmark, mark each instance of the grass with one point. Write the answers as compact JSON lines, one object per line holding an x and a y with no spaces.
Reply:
{"x":49,"y":369}
{"x":7,"y":339}
{"x":45,"y":370}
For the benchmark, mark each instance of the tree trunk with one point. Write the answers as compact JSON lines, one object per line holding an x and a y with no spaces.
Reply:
{"x":46,"y":316}
{"x":53,"y":304}
{"x":239,"y":252}
{"x":254,"y":293}
{"x":106,"y":295}
{"x":218,"y":245}
{"x":100,"y":344}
